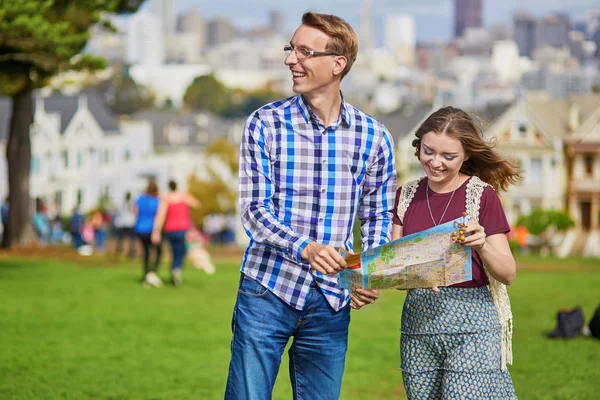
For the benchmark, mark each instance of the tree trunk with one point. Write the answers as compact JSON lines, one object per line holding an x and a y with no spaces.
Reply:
{"x":18,"y":156}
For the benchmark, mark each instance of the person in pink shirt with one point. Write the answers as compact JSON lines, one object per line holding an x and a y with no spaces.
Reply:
{"x":173,"y":218}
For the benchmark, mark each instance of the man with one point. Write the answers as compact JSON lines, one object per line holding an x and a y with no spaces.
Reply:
{"x":308,"y":166}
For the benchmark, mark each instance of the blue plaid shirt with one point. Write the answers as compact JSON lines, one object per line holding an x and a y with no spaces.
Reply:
{"x":301,"y":181}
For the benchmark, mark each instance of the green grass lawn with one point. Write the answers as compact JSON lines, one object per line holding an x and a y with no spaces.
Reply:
{"x":77,"y":330}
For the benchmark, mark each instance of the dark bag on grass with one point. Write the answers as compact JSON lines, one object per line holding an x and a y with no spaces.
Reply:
{"x":595,"y":324}
{"x":568,"y":324}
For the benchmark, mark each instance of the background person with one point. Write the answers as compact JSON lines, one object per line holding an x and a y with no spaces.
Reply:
{"x":173,"y":217}
{"x":124,"y":222}
{"x":146,"y":207}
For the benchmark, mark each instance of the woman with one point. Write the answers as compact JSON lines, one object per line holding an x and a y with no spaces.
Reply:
{"x":146,"y":207}
{"x":455,"y":340}
{"x":174,"y":218}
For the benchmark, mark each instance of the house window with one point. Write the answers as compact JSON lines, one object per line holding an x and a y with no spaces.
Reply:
{"x":79,"y":196}
{"x":522,"y":130}
{"x":65,"y":159}
{"x":535,"y":172}
{"x":35,"y":165}
{"x":106,"y":156}
{"x":588,"y":162}
{"x":127,"y":155}
{"x":79,"y":159}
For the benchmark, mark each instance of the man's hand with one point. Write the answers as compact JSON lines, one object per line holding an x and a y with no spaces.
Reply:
{"x":323,"y":258}
{"x":361,"y":297}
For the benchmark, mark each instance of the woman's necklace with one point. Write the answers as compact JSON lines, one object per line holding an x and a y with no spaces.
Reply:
{"x":447,"y":205}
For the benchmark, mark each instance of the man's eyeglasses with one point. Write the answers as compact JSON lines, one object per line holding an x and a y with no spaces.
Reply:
{"x":302,"y":53}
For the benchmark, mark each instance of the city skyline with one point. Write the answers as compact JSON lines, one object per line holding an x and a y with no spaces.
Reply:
{"x":434,"y":18}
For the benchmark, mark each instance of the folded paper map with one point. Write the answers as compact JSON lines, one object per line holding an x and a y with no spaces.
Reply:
{"x":421,"y":260}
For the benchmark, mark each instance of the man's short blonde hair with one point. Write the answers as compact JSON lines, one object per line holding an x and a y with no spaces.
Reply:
{"x":343,"y":38}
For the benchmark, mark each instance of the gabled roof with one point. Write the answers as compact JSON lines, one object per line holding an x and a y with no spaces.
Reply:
{"x":552,"y":115}
{"x":66,"y":106}
{"x":548,"y":115}
{"x":194,"y":123}
{"x":404,"y":121}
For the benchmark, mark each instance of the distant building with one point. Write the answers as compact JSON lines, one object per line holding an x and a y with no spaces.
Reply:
{"x":219,"y":31}
{"x":80,"y":152}
{"x":366,"y":39}
{"x":166,"y":10}
{"x":524,"y":33}
{"x":467,"y":14}
{"x":192,"y":22}
{"x":552,"y":30}
{"x":556,"y":143}
{"x":145,"y":42}
{"x":277,"y":22}
{"x":400,"y":38}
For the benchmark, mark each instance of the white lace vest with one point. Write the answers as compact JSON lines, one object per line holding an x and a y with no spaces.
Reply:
{"x":498,"y":290}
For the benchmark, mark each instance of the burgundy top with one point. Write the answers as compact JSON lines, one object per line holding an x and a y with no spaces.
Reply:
{"x":417,"y":218}
{"x":178,"y":217}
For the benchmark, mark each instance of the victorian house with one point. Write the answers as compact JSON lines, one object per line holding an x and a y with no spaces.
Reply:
{"x":557,"y":144}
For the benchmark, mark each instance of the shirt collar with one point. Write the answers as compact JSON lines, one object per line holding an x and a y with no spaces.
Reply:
{"x":309,"y":115}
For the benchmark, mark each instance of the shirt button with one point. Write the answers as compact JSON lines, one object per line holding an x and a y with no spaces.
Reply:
{"x":320,"y":219}
{"x":324,"y":161}
{"x":322,"y":190}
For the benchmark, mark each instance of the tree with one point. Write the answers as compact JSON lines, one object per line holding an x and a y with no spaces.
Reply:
{"x":39,"y":39}
{"x":207,"y":93}
{"x":123,"y":95}
{"x":544,"y":223}
{"x":217,"y":196}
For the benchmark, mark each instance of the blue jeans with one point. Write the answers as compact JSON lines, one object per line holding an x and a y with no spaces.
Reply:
{"x":100,"y":236}
{"x":77,"y":239}
{"x":177,"y":241}
{"x":262,"y":326}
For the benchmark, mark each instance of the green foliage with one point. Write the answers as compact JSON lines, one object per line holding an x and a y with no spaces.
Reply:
{"x":226,"y":152}
{"x":539,"y":221}
{"x":207,"y":93}
{"x":123,"y":95}
{"x":215,"y":196}
{"x":40,"y":38}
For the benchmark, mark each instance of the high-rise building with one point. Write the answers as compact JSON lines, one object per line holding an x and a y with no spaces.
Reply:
{"x":220,"y":30}
{"x":366,"y":38}
{"x":592,"y":28}
{"x":552,"y":30}
{"x":524,"y":33}
{"x":467,"y":14}
{"x":166,"y":10}
{"x":145,"y":40}
{"x":277,"y":22}
{"x":192,"y":22}
{"x":400,"y":37}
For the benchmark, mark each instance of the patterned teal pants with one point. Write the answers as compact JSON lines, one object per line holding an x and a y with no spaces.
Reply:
{"x":450,"y":346}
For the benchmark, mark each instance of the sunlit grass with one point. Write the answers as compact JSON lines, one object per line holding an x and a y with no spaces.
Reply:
{"x":77,"y":331}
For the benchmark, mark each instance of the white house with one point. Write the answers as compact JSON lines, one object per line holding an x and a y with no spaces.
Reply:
{"x":82,"y":152}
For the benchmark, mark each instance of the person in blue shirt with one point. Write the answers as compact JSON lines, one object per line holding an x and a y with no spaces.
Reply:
{"x":76,"y":223}
{"x":4,"y":218}
{"x":146,"y":207}
{"x":309,"y":166}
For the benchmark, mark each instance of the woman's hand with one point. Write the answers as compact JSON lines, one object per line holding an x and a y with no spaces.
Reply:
{"x":474,"y":235}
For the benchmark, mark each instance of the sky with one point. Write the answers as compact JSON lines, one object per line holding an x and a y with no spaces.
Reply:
{"x":434,"y":18}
